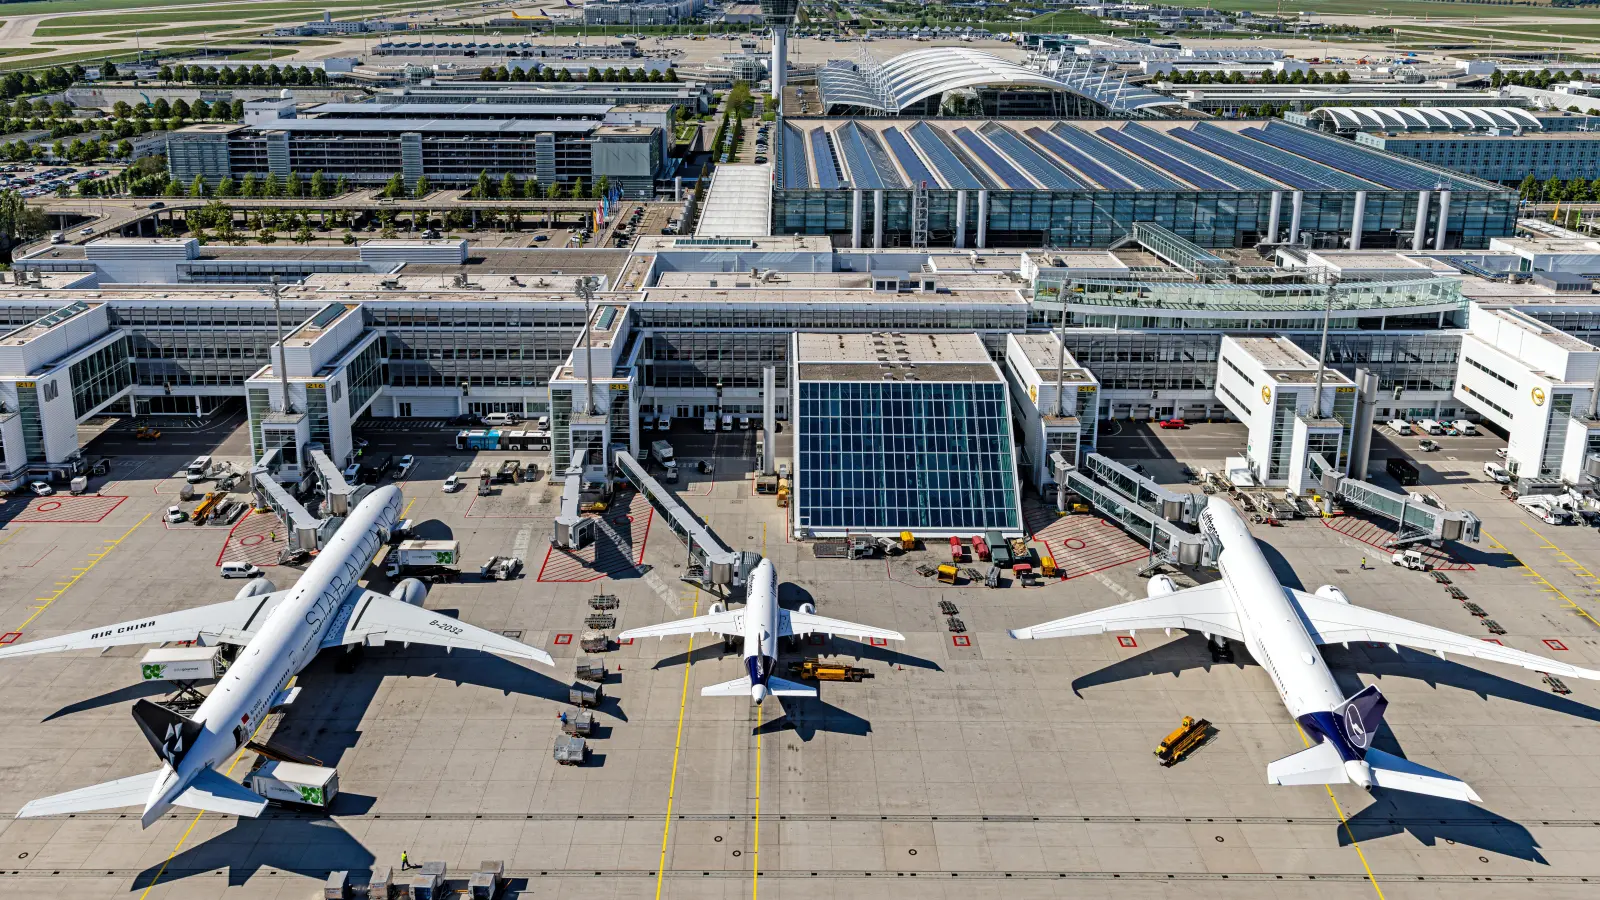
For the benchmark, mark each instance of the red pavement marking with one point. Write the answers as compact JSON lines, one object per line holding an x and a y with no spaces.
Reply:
{"x":563,"y":639}
{"x":1492,"y":641}
{"x":1554,"y":644}
{"x":961,"y":640}
{"x":625,"y":643}
{"x":879,"y":642}
{"x":69,"y":510}
{"x":1082,"y":544}
{"x":602,"y":559}
{"x":1374,"y":535}
{"x":1125,"y":641}
{"x":250,"y":539}
{"x":10,"y":637}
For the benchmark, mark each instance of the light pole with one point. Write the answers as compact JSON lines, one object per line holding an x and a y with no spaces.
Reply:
{"x":283,"y":353}
{"x":585,"y":288}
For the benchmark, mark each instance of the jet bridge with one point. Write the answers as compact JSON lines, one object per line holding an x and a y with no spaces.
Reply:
{"x":1139,"y":505}
{"x":710,"y":563}
{"x":305,"y":530}
{"x":335,"y":489}
{"x":573,"y":529}
{"x":1416,"y":521}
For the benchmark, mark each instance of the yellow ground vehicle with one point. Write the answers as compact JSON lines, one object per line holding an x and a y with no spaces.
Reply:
{"x":146,"y":433}
{"x":1047,"y":566}
{"x":827,"y":670}
{"x":907,"y":541}
{"x":947,"y":574}
{"x":783,"y":492}
{"x":1183,"y":740}
{"x":206,"y":508}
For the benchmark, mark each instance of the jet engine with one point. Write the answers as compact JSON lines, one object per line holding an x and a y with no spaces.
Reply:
{"x":717,"y":608}
{"x":255,"y":587}
{"x":410,"y":591}
{"x":1160,"y":586}
{"x":1329,"y":592}
{"x":808,"y":609}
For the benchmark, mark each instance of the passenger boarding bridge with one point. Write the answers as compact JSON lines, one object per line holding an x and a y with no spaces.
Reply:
{"x":1143,"y":508}
{"x":1415,"y":520}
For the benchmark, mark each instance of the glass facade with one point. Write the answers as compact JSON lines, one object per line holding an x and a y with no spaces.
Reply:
{"x":317,"y":413}
{"x":895,"y":456}
{"x":99,"y":376}
{"x":365,"y":374}
{"x":32,"y":423}
{"x":258,"y":404}
{"x":1038,"y":218}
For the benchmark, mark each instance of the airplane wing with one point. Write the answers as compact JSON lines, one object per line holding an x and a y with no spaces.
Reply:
{"x":232,"y":622}
{"x":730,"y":622}
{"x":1331,"y":622}
{"x":799,"y":623}
{"x":1206,"y":608}
{"x":375,"y":618}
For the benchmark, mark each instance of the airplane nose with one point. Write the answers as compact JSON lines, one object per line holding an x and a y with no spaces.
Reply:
{"x":758,"y":692}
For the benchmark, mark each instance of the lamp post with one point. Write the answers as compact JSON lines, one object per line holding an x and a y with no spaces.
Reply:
{"x":283,"y":352}
{"x":585,"y":288}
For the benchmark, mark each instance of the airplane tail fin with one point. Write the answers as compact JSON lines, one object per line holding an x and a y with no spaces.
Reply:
{"x":1360,"y":717}
{"x":170,"y":734}
{"x":1318,"y":764}
{"x":1396,"y":774}
{"x":781,"y":687}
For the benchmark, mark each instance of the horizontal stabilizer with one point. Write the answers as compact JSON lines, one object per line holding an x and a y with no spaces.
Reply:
{"x":780,"y":687}
{"x":213,"y":792}
{"x":1396,"y":774}
{"x":1318,"y":764}
{"x":739,"y":687}
{"x":130,"y":791}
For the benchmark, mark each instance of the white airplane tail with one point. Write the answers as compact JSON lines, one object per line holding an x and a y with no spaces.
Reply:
{"x":1322,"y":764}
{"x":209,"y":791}
{"x":740,"y":687}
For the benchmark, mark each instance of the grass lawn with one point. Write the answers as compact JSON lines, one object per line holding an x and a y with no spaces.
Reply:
{"x":88,"y":58}
{"x":1417,"y":8}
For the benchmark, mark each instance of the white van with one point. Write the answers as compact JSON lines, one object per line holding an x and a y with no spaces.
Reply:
{"x":500,"y":418}
{"x":1399,"y":426}
{"x":1463,"y":426}
{"x":710,"y":422}
{"x":1497,"y":472}
{"x":1431,"y":426}
{"x":744,"y":423}
{"x":664,"y":423}
{"x":239,"y":569}
{"x":727,"y":422}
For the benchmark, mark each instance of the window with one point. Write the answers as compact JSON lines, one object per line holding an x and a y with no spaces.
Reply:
{"x":1240,"y":372}
{"x":1490,"y":372}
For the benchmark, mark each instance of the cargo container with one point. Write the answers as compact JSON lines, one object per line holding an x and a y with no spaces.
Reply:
{"x":425,"y":559}
{"x":295,"y":783}
{"x":182,"y":664}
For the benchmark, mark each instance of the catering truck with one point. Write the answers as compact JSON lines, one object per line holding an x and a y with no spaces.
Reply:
{"x":428,"y":560}
{"x":295,"y":784}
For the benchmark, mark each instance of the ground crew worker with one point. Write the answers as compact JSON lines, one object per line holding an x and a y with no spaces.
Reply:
{"x":405,"y":862}
{"x":1363,"y":563}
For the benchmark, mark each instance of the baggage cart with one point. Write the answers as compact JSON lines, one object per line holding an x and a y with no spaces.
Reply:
{"x":594,"y":642}
{"x":585,"y":695}
{"x":578,"y":723}
{"x":571,"y":751}
{"x":591,"y":669}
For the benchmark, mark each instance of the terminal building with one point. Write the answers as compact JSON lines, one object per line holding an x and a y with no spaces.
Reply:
{"x":1506,"y":157}
{"x":449,"y":143}
{"x":883,"y":182}
{"x":1031,"y":352}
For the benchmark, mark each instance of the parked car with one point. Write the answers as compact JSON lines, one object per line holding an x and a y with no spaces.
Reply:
{"x":453,"y":484}
{"x":175,"y":514}
{"x":1501,"y":452}
{"x":240,"y":569}
{"x":1173,"y":423}
{"x":41,"y":488}
{"x":403,"y":468}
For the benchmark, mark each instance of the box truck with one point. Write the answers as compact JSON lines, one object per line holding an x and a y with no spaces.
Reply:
{"x":296,"y":784}
{"x":428,"y":560}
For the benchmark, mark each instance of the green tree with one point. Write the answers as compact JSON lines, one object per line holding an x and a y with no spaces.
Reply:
{"x":108,"y":70}
{"x":174,"y":188}
{"x":250,"y":187}
{"x":341,"y":186}
{"x":509,"y":187}
{"x":124,"y":150}
{"x":593,"y":74}
{"x":601,"y":185}
{"x":200,"y":110}
{"x":552,"y":191}
{"x":272,"y":188}
{"x":226,"y":187}
{"x":1552,"y":189}
{"x":319,"y":184}
{"x":396,"y":187}
{"x":292,"y":186}
{"x":180,"y":108}
{"x":161,"y":109}
{"x":672,"y":75}
{"x":304,"y":235}
{"x":19,"y":222}
{"x":423,"y":188}
{"x":1528,"y":186}
{"x":481,"y":190}
{"x":577,"y":189}
{"x":197,"y":188}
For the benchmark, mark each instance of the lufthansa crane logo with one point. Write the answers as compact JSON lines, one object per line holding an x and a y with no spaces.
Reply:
{"x":1266,"y":394}
{"x":1538,"y":396}
{"x":1357,"y":732}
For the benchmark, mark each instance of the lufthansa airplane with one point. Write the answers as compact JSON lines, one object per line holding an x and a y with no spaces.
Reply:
{"x":278,"y":633}
{"x":761,"y":623}
{"x":1283,"y":629}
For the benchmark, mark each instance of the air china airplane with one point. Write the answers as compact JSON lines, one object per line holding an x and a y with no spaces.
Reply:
{"x":278,"y":633}
{"x":1283,"y":629}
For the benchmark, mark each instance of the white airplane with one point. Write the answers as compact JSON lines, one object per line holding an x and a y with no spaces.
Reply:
{"x":1283,"y":628}
{"x":761,"y":623}
{"x":279,"y":632}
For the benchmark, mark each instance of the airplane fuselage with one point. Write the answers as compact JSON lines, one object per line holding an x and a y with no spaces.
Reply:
{"x":288,"y":639}
{"x":761,"y":628}
{"x":1277,"y":638}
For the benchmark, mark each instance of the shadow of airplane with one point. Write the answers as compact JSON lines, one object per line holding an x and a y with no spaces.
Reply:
{"x":311,"y":847}
{"x":111,"y":698}
{"x":809,"y":716}
{"x":1434,"y":819}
